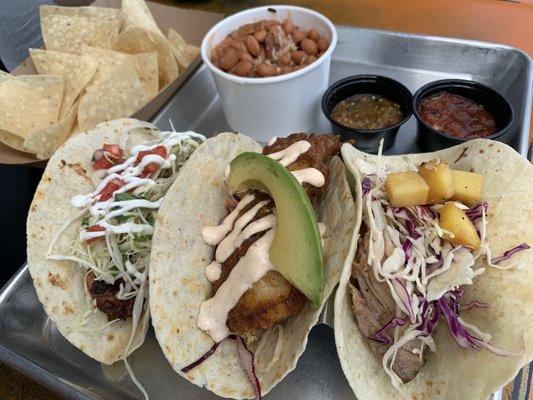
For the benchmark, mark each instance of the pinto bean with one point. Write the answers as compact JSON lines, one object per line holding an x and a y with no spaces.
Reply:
{"x":313,"y":34}
{"x":243,"y":68}
{"x":284,"y":59}
{"x":297,"y":56}
{"x":260,"y":35}
{"x":252,"y":45}
{"x":297,"y":35}
{"x":288,"y":26}
{"x":266,"y":70}
{"x":309,"y":47}
{"x":322,"y":44}
{"x":230,"y":58}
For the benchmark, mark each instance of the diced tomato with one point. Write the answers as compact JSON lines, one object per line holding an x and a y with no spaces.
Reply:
{"x":109,"y":155}
{"x":109,"y":189}
{"x":102,"y":163}
{"x":114,"y":150}
{"x":150,"y":168}
{"x":94,"y":228}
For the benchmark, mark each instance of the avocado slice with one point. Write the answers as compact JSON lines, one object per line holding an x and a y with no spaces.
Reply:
{"x":296,"y":249}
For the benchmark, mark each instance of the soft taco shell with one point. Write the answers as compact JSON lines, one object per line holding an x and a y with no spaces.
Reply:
{"x":179,"y":255}
{"x":452,"y":372}
{"x":60,"y":284}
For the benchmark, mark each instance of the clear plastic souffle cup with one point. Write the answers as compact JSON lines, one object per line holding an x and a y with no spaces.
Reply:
{"x":272,"y":106}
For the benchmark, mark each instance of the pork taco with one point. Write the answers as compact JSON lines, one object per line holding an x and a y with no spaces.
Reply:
{"x":90,"y":227}
{"x":437,"y":303}
{"x":256,"y":248}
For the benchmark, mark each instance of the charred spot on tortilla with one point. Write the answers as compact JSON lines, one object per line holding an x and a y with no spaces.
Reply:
{"x":56,"y":280}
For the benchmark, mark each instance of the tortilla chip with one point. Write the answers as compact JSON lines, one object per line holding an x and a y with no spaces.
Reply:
{"x":111,"y":14}
{"x":138,"y":40}
{"x":115,"y":94}
{"x":29,"y":102}
{"x":67,"y":33}
{"x":44,"y":142}
{"x":145,"y":64}
{"x":4,"y":75}
{"x":137,"y":15}
{"x":77,"y":71}
{"x":12,"y":140}
{"x":183,"y":52}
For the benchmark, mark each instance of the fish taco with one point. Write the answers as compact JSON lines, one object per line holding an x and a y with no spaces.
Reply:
{"x":437,"y":302}
{"x":240,"y":274}
{"x":90,"y":230}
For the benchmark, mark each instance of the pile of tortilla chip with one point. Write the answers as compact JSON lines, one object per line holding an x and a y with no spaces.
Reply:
{"x":99,"y":64}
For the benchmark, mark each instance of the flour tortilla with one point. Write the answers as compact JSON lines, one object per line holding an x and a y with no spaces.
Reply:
{"x":178,"y":283}
{"x":452,"y":372}
{"x":60,"y":284}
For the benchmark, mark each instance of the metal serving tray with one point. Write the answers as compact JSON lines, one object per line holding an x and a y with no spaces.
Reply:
{"x":30,"y":343}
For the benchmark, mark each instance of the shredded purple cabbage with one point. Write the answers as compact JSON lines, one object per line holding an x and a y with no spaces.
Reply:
{"x":403,"y":294}
{"x":367,"y":185}
{"x":246,"y":358}
{"x":509,"y":253}
{"x":461,"y":335}
{"x":413,"y":233}
{"x":200,"y":360}
{"x":476,"y":212}
{"x":393,"y":323}
{"x":407,"y":247}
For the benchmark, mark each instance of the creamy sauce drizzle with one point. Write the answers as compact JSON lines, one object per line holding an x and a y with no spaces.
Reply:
{"x":272,"y":141}
{"x":312,"y":176}
{"x":290,"y":154}
{"x":213,"y":235}
{"x":250,"y":268}
{"x":231,"y":234}
{"x":213,"y":271}
{"x":127,"y":174}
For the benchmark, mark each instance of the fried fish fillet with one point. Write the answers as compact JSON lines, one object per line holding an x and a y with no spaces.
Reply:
{"x":273,"y":299}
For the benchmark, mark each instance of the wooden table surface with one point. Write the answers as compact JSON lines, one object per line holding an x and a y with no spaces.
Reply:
{"x":508,"y":22}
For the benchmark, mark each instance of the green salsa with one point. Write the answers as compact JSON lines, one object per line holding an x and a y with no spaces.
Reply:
{"x":367,"y":112}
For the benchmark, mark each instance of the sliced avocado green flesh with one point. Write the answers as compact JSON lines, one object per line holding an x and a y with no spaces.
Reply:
{"x":296,"y":250}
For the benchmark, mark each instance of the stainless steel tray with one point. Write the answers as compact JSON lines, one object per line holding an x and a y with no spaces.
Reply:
{"x":31,"y":344}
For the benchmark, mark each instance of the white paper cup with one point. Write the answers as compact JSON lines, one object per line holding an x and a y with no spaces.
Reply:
{"x":278,"y":105}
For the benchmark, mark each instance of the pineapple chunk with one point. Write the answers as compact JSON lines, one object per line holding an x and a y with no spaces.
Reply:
{"x":468,"y":187}
{"x":453,"y":219}
{"x":406,"y":189}
{"x":438,"y":176}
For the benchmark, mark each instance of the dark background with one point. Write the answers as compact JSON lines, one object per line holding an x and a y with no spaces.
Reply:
{"x":17,"y":185}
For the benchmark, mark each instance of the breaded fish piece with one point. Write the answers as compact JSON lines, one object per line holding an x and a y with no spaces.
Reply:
{"x":273,"y":299}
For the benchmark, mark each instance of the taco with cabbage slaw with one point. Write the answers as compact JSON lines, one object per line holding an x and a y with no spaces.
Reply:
{"x":90,"y":230}
{"x":437,"y":302}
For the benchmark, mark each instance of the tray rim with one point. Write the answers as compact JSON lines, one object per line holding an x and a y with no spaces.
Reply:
{"x":46,"y":379}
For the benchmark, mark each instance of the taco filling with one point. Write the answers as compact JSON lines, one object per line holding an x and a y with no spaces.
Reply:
{"x":250,"y":294}
{"x":422,"y":231}
{"x":117,"y":221}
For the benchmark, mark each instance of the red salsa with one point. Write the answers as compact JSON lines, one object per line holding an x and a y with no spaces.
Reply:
{"x":456,"y":115}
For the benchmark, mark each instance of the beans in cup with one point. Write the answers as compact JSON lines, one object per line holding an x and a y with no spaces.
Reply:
{"x":268,"y":48}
